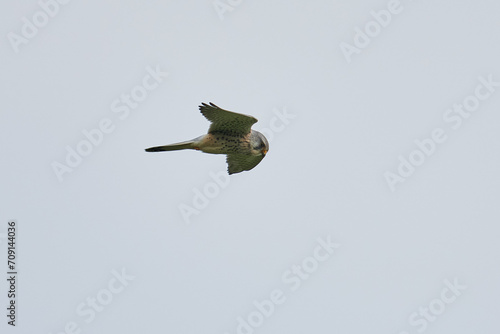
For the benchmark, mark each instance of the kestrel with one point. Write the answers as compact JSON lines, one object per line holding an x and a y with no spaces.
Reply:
{"x":230,"y":133}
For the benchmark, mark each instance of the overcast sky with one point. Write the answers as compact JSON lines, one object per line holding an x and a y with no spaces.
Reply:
{"x":375,"y":210}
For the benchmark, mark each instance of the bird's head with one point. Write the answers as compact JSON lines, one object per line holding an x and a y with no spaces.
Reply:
{"x":259,"y":143}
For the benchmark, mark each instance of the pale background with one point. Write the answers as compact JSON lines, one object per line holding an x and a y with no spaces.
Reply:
{"x":323,"y":176}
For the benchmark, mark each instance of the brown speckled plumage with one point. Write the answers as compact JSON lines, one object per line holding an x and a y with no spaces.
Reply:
{"x":230,"y":133}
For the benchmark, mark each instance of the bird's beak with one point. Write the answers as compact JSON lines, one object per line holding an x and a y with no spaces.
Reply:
{"x":264,"y":151}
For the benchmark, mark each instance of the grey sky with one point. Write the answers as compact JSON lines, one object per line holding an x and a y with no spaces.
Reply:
{"x":394,"y":226}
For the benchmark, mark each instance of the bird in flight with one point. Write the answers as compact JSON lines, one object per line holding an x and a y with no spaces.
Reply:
{"x":230,"y":133}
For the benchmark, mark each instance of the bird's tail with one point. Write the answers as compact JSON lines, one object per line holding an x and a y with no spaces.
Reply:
{"x":185,"y":145}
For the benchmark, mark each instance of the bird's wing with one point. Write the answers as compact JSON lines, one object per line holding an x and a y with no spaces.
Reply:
{"x":237,"y":162}
{"x":227,"y":122}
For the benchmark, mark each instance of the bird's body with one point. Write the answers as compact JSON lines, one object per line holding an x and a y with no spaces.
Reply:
{"x":230,"y":133}
{"x":214,"y":143}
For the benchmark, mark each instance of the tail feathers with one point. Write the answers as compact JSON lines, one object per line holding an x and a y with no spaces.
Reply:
{"x":173,"y":147}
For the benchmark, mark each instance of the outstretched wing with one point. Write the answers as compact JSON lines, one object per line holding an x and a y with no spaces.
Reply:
{"x":237,"y":162}
{"x":227,"y":122}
